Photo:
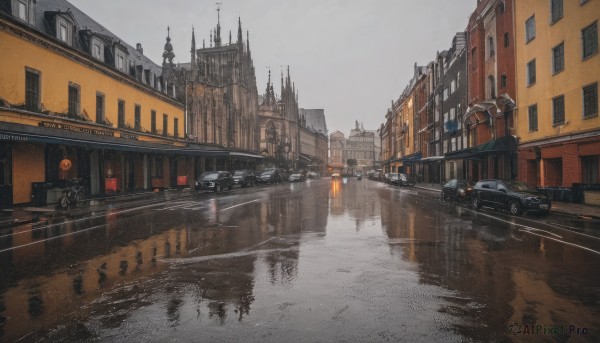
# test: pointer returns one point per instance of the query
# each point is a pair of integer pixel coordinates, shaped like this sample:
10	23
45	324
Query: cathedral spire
248	43
218	31
211	38
239	39
193	51
229	37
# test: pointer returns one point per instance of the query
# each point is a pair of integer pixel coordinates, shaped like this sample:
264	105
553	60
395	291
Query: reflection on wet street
323	260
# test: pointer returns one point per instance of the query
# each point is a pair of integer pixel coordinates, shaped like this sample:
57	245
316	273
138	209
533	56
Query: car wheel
514	208
476	203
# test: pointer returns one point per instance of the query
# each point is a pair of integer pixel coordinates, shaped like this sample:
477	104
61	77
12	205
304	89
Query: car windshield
210	176
268	172
519	186
238	173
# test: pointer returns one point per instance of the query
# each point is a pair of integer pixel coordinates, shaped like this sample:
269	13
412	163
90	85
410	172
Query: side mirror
503	190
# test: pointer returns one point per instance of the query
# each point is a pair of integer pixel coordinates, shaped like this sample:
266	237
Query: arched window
491	46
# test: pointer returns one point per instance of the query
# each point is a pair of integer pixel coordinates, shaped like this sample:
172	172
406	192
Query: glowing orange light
65	164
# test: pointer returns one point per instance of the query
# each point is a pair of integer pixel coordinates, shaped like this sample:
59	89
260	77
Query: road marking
53	238
245	203
561	241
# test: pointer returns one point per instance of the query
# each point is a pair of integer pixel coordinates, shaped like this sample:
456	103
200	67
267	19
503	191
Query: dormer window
24	10
97	49
62	33
121	60
64	29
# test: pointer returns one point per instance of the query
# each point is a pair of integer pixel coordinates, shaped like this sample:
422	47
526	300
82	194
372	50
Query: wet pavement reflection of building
356	255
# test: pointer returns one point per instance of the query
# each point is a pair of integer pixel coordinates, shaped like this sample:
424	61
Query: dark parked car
393	179
270	176
359	176
514	196
244	178
406	180
215	181
457	190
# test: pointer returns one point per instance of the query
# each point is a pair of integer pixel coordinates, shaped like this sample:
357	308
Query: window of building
530	29
32	89
474	58
558	58
63	33
501	7
491	46
491	87
445	93
590	169
590	40
121	114
556	10
503	81
138	118
506	40
74	100
590	100
100	108
120	62
558	110
533	118
531	72
176	127
165	124
452	86
22	10
153	121
97	50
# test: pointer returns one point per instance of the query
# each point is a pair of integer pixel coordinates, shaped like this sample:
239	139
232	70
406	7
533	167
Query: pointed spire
248	42
211	38
193	51
282	84
203	44
239	39
229	37
218	31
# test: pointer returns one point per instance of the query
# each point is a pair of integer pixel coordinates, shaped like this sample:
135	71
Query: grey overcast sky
350	57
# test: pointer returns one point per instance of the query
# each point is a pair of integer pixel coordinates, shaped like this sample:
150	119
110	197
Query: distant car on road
244	178
514	196
297	177
457	190
359	176
335	176
270	176
215	181
312	175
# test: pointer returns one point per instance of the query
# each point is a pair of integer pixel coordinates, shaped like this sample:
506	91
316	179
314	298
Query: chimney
139	48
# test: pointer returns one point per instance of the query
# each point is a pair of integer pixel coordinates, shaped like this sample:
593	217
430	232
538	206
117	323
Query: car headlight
461	191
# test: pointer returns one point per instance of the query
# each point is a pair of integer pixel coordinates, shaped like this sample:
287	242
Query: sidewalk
566	208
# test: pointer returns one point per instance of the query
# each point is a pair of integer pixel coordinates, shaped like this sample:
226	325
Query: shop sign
13	138
74	128
129	136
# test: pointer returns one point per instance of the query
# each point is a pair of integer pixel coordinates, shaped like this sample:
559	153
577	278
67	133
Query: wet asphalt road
325	261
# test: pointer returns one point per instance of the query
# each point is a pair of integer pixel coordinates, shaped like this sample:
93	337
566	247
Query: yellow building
558	70
78	102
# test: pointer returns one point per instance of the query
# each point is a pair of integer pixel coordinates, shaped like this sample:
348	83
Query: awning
26	133
432	158
413	157
245	154
506	143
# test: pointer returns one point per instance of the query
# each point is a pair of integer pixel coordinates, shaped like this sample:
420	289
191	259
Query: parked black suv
244	178
514	196
270	176
215	181
457	190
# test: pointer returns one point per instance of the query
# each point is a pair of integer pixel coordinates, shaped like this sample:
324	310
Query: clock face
65	164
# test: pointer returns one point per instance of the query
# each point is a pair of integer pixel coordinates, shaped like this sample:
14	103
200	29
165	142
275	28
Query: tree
351	162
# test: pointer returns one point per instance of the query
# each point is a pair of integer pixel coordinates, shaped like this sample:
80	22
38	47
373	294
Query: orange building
76	101
558	70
